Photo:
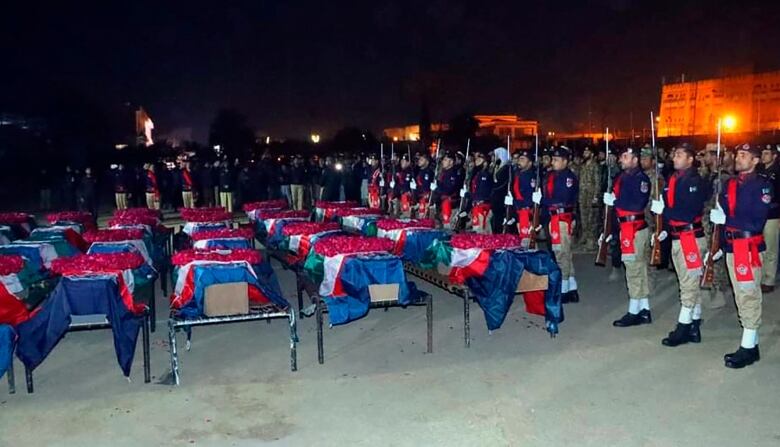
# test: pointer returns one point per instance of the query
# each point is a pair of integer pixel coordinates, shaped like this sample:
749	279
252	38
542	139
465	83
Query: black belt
696	226
632	218
564	210
731	235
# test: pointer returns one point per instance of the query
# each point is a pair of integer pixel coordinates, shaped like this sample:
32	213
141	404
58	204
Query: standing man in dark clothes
244	186
87	193
226	186
206	182
69	188
120	187
44	183
297	182
313	174
330	181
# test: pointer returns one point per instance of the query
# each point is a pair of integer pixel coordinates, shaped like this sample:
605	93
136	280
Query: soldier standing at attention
743	207
770	170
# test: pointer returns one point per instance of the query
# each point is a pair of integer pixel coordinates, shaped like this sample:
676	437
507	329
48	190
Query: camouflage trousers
591	224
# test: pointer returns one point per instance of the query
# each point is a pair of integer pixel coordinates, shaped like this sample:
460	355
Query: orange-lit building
748	103
498	125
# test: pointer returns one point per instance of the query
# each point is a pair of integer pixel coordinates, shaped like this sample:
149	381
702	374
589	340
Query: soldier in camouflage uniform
590	193
716	297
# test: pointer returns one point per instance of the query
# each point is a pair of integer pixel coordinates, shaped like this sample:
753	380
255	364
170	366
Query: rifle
601	256
536	216
466	181
436	172
508	208
655	255
708	274
382	197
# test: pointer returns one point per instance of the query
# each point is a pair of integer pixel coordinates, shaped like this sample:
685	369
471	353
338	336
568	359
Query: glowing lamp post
315	138
729	123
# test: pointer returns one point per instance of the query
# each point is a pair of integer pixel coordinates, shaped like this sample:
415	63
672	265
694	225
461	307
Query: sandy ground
592	385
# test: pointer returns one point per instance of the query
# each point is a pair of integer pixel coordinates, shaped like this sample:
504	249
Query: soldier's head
646	157
479	159
448	160
405	162
373	160
683	156
768	155
629	158
423	161
587	153
747	158
523	159
560	158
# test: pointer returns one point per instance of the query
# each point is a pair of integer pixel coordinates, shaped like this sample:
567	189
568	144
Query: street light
729	122
315	138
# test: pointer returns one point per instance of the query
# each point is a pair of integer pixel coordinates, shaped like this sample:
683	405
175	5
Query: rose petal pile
15	218
265	204
398	224
97	262
11	264
124	234
137	212
214	214
467	241
334	205
223	233
81	217
287	214
249	255
308	228
342	245
342	212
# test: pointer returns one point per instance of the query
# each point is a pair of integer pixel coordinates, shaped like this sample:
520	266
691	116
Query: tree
462	127
231	132
353	139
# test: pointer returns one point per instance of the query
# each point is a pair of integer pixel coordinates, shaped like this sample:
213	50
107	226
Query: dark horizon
299	67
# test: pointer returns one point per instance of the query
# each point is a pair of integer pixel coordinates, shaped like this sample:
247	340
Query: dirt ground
592	385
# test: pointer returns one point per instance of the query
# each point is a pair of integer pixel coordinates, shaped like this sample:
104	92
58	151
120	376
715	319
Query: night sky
299	66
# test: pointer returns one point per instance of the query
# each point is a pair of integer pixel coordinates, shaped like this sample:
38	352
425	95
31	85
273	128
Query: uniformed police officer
375	183
769	168
421	185
744	207
523	187
401	189
479	190
558	196
682	206
629	196
445	190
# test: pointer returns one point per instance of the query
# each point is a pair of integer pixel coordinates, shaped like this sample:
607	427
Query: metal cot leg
29	378
153	308
293	341
466	318
299	287
145	341
320	348
429	318
11	378
174	353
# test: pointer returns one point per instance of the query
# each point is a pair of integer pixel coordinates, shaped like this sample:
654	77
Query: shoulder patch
644	187
569	182
766	198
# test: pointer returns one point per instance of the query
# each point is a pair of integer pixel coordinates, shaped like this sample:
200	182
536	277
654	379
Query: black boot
679	336
695	334
742	358
570	297
629	319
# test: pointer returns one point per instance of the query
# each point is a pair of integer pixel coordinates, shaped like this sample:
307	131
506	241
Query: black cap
629	150
561	151
687	148
755	150
449	154
527	153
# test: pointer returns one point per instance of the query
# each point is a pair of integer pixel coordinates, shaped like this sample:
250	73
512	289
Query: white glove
392	183
433	186
536	197
718	255
413	185
717	216
601	238
511	221
463	192
508	200
657	206
381	183
609	199
463	214
661	237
